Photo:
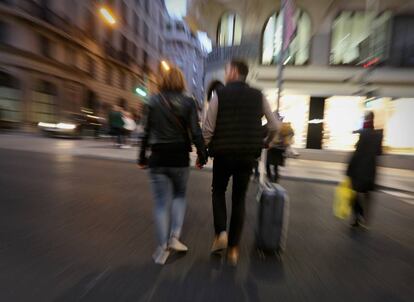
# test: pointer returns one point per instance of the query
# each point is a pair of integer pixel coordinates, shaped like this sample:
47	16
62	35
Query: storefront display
343	115
293	109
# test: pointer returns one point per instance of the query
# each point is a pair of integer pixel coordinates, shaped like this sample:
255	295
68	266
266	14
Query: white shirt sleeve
273	124
209	125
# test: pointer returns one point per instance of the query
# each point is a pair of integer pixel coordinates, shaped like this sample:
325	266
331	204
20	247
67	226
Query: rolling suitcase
272	219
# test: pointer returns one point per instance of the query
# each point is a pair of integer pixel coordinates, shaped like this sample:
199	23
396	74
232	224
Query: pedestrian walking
129	127
116	124
172	125
233	132
276	154
362	168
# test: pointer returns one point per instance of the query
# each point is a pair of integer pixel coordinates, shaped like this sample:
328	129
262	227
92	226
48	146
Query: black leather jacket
172	118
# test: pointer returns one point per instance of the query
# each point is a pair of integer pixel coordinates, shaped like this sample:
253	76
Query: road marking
94	282
404	197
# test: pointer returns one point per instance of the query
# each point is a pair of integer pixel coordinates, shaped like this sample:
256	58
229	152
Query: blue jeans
169	222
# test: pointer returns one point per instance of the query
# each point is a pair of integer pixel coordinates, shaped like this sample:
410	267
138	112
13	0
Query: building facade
347	56
61	56
183	49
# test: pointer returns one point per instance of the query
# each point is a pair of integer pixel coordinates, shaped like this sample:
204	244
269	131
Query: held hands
143	164
199	164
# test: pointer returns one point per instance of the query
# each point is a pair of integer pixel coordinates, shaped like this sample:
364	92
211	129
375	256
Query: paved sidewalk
79	229
298	169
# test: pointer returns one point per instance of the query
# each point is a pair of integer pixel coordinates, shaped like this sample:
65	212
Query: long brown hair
172	80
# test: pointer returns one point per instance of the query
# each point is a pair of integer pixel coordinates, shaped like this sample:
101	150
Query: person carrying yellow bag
343	199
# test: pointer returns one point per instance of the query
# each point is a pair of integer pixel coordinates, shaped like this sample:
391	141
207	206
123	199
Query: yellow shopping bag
344	196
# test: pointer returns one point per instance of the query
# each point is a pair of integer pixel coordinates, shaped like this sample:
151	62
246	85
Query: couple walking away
232	135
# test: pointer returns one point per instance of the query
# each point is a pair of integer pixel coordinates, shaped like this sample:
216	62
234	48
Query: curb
283	177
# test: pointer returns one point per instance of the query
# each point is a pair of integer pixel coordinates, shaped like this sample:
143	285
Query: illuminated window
295	110
229	30
298	51
359	37
343	115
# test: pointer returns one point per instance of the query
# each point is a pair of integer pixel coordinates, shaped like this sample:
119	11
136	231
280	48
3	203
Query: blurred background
76	214
84	56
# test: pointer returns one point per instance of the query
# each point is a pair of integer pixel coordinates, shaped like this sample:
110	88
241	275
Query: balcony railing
221	55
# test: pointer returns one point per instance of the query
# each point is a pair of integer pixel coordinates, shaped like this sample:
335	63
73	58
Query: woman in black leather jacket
171	128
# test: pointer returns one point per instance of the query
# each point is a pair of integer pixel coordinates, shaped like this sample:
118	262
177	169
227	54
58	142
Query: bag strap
177	120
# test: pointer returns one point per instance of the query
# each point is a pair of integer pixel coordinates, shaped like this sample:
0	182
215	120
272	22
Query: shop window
342	116
360	37
294	109
298	51
229	30
398	130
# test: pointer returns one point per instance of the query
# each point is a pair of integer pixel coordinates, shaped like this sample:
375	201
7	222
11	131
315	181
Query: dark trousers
119	134
361	205
275	158
240	170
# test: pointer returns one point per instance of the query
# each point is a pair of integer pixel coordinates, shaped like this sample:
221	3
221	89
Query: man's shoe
220	243
161	255
176	245
233	256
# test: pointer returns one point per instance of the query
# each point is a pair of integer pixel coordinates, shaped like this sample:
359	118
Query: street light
141	92
107	15
165	65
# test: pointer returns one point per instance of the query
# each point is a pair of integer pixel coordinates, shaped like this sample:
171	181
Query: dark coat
362	168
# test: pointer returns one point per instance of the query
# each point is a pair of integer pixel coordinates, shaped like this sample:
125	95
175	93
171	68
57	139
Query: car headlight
46	125
65	126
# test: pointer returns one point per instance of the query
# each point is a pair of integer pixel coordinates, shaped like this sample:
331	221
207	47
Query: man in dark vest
233	132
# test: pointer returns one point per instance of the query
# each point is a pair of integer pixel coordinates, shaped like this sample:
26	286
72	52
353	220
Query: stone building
183	49
61	56
347	56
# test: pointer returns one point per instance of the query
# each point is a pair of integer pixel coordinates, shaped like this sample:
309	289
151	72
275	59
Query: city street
80	229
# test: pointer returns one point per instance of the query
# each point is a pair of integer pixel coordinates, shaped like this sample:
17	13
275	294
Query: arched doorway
10	100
